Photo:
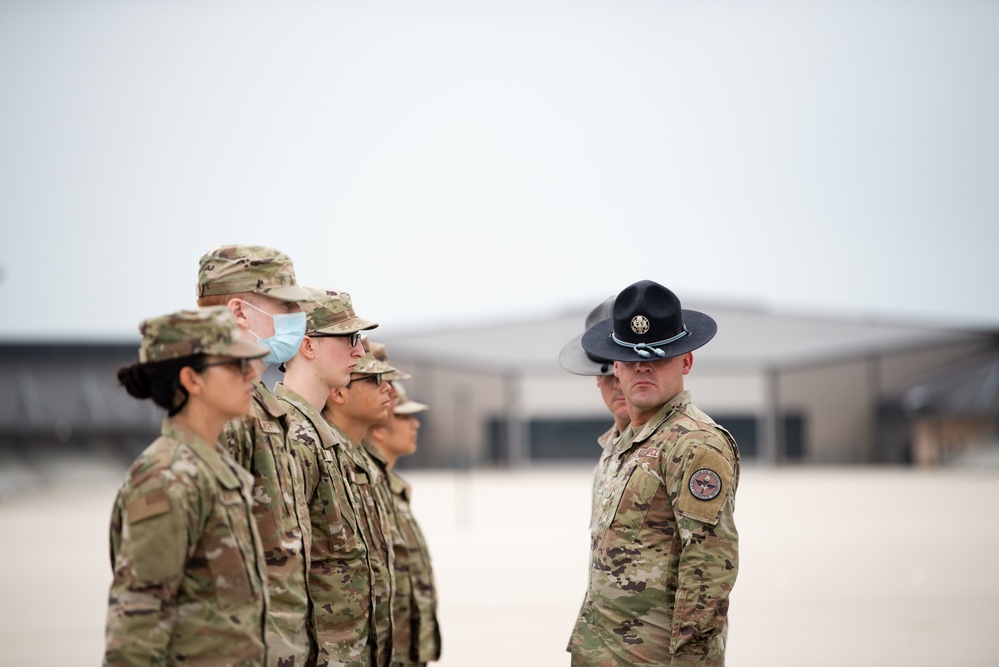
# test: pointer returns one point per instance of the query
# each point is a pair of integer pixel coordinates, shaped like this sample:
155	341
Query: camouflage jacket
365	483
416	610
340	575
606	442
188	566
259	443
665	546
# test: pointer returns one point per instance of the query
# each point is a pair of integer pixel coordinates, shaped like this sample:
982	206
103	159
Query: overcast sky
454	162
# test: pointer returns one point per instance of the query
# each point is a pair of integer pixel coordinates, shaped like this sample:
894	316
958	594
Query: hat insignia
640	324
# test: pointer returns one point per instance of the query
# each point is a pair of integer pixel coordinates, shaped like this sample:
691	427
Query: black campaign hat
648	324
575	359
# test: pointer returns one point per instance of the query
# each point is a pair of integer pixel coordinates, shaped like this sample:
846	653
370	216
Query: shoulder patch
705	485
147	506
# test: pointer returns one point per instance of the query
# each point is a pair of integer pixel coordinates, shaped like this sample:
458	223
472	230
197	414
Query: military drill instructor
664	546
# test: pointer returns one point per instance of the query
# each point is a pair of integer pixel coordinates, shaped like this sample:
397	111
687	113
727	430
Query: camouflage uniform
606	442
259	443
665	551
340	576
417	637
188	565
365	484
416	595
371	495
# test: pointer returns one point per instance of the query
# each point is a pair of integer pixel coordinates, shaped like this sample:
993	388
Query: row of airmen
267	526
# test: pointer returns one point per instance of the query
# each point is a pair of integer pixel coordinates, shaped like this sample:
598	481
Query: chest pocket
637	495
228	543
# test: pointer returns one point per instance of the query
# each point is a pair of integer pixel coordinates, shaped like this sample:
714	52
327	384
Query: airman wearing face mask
258	286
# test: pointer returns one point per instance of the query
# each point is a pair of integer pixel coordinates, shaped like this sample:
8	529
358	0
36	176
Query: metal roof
747	340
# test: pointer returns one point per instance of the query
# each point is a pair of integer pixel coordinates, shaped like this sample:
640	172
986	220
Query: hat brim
597	339
574	359
244	349
290	293
349	325
410	408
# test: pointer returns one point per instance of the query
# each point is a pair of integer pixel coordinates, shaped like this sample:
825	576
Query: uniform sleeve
702	476
158	521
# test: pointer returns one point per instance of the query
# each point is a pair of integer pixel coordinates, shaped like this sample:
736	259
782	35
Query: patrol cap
368	365
190	332
331	312
381	354
575	359
233	269
404	406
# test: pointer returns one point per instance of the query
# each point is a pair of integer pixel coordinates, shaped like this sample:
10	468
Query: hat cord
643	349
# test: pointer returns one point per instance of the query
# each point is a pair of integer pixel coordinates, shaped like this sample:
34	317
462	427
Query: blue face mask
289	330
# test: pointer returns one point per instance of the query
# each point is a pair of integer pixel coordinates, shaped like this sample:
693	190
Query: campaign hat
648	324
575	359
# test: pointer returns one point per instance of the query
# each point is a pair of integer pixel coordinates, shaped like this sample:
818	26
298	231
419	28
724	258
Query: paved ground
857	567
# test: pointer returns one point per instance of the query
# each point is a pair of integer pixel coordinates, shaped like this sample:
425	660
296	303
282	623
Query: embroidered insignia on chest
271	427
640	324
647	452
705	484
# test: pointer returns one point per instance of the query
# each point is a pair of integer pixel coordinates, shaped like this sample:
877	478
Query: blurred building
791	388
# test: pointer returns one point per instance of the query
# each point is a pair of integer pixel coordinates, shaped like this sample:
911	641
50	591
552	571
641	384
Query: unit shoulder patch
147	506
705	485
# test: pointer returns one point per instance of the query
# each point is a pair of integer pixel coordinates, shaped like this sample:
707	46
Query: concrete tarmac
839	566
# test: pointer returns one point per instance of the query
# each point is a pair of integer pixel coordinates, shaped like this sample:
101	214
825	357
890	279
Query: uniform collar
209	454
676	404
309	412
267	400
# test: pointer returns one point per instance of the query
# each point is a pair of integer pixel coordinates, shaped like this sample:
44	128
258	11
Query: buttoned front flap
335	506
227	544
636	492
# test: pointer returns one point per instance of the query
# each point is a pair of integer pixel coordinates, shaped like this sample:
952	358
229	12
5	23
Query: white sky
450	162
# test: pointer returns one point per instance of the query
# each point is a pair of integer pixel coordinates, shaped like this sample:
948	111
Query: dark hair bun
135	381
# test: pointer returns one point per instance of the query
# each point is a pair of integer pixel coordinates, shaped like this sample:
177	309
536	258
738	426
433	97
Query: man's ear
337	396
307	348
688	362
236	308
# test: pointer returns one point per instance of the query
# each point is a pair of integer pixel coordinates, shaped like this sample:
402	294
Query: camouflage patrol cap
381	354
368	365
189	332
233	269
404	406
331	312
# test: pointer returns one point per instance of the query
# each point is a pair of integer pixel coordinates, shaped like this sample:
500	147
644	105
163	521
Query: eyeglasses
374	377
354	337
242	363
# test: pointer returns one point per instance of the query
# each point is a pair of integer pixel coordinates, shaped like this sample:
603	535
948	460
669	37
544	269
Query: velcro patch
271	427
705	485
150	505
